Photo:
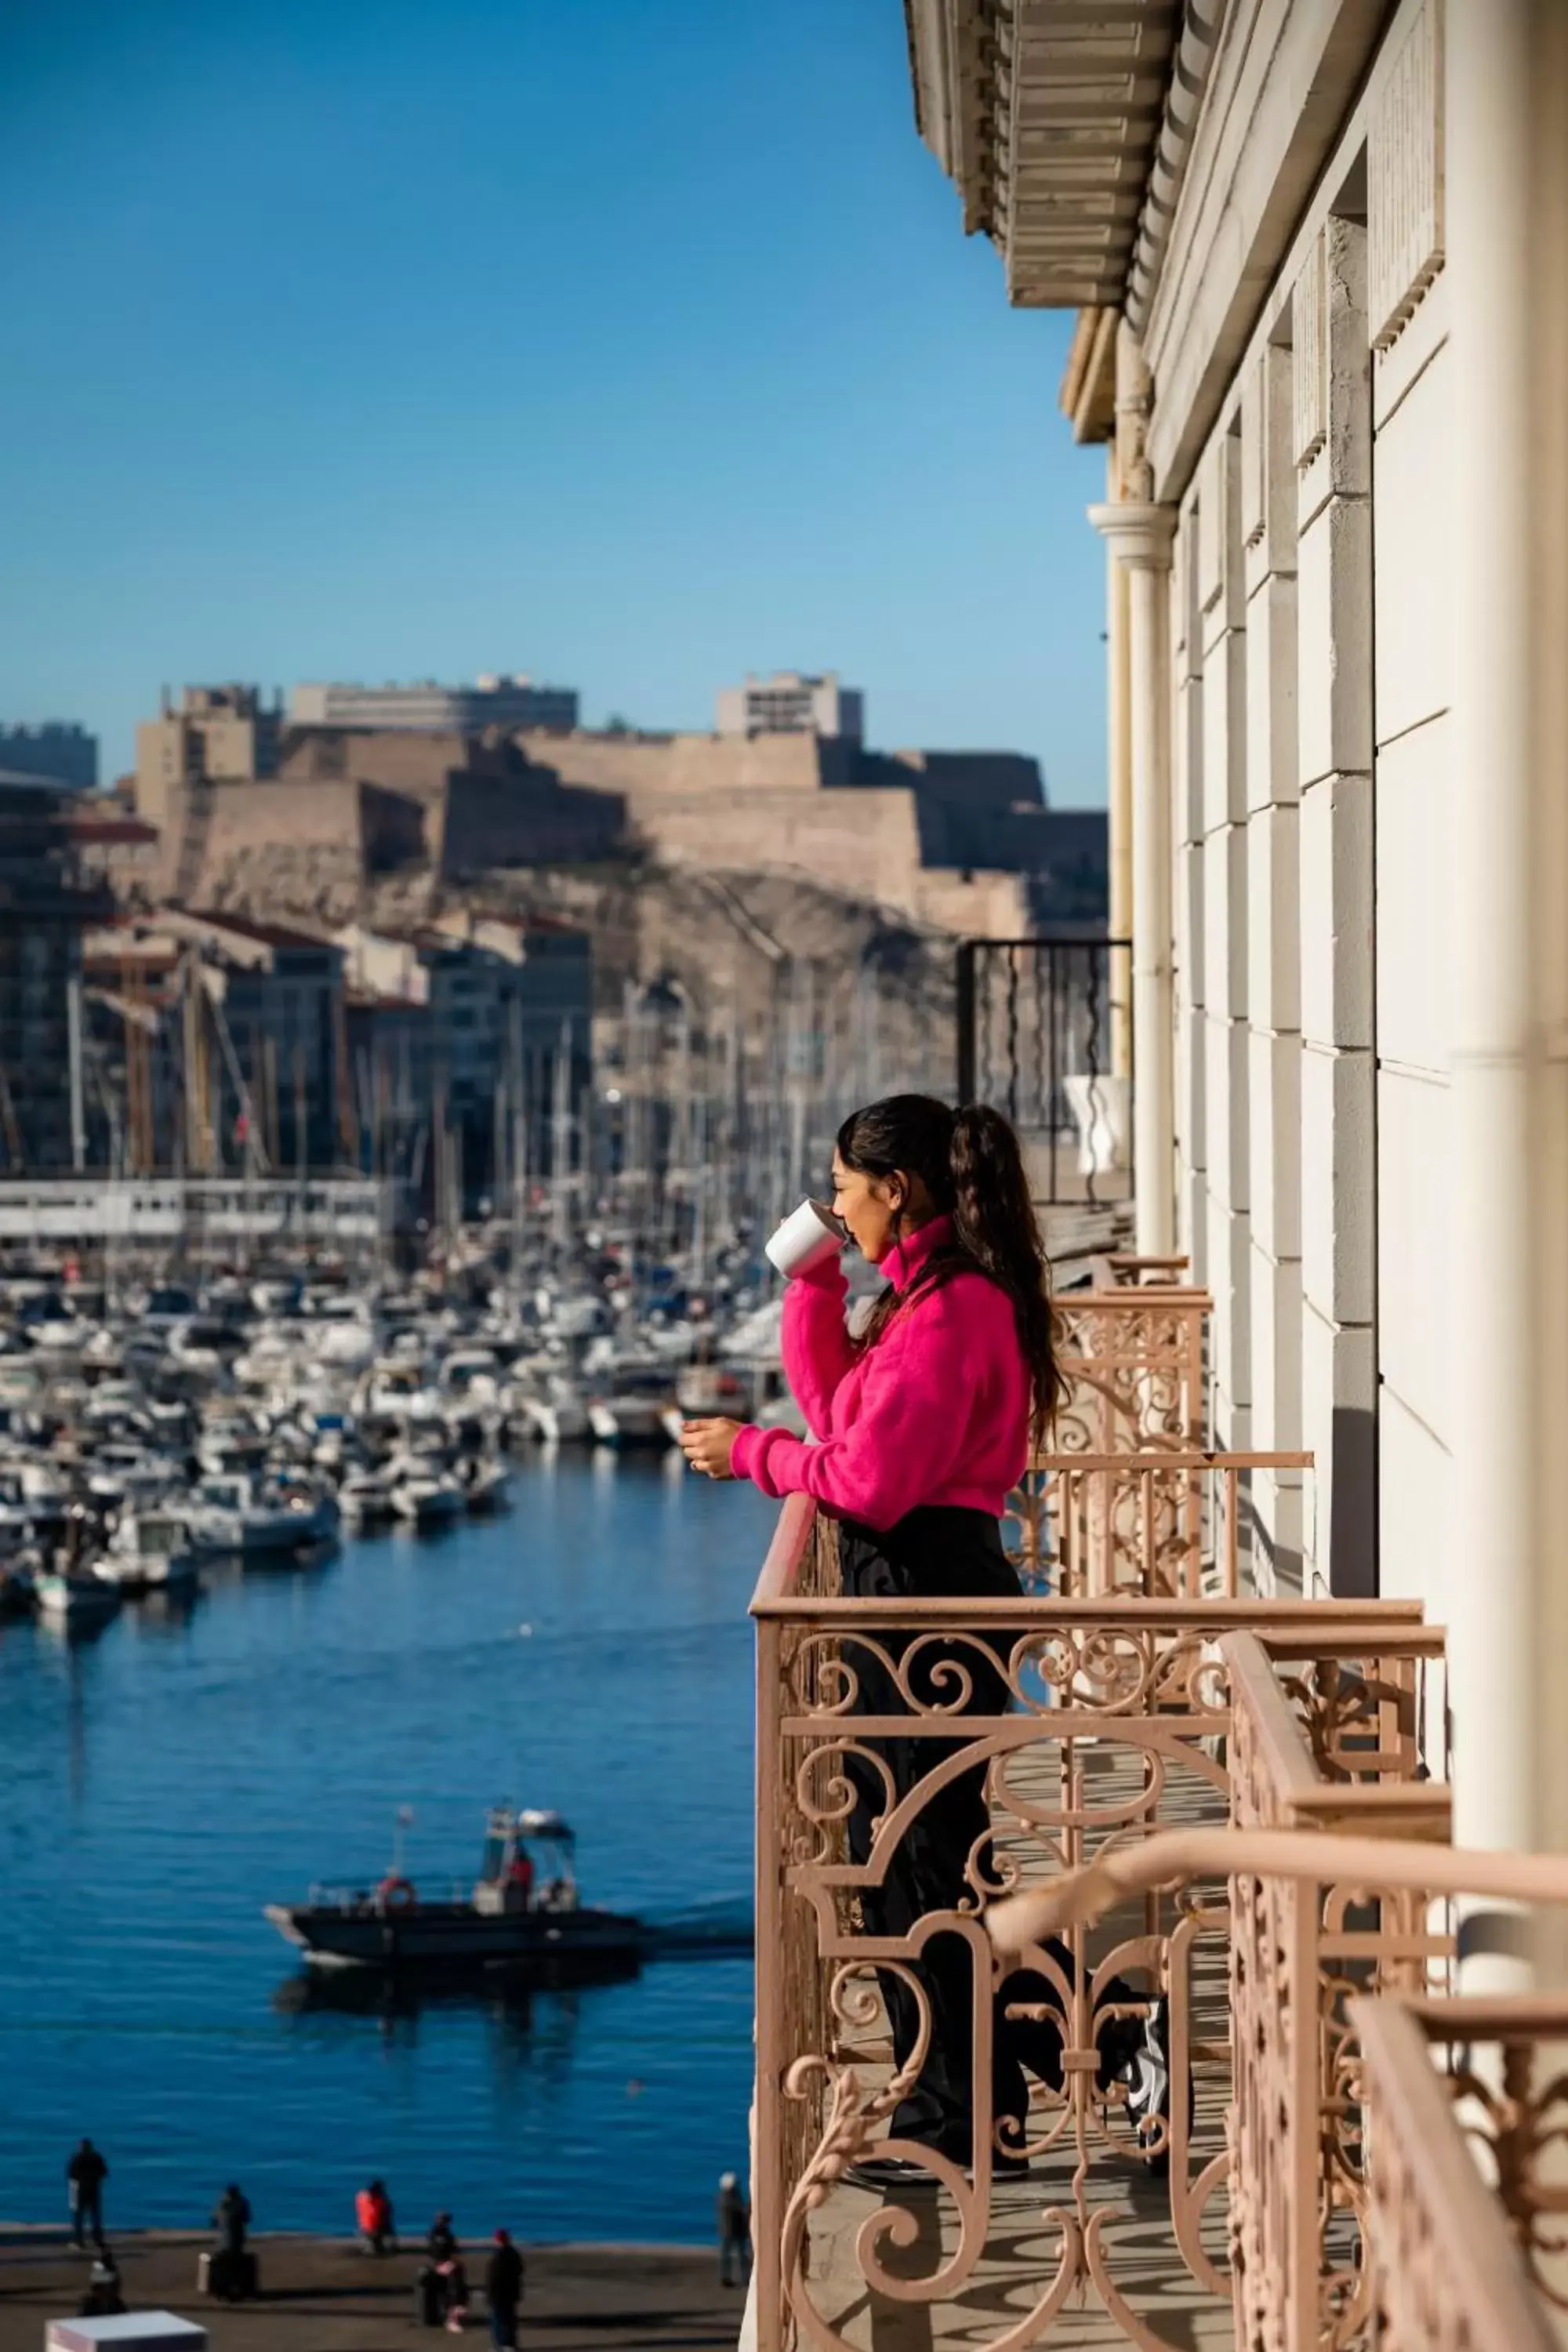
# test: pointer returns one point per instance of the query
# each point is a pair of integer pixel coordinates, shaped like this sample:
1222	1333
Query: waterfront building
61	751
121	848
503	702
1337	1094
476	1034
788	703
275	1076
1319	253
46	904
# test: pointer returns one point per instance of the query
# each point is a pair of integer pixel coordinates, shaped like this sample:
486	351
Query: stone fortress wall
955	840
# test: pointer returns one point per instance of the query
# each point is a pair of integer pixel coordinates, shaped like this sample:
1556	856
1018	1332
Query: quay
322	2294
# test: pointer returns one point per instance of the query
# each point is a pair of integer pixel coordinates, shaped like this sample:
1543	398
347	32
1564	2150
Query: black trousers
939	1553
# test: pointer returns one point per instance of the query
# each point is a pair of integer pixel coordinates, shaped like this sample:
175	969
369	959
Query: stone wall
1313	815
647	767
527	820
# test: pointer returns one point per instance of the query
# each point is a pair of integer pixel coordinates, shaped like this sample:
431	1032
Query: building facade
790	704
216	734
474	1038
62	752
504	702
1320	277
45	906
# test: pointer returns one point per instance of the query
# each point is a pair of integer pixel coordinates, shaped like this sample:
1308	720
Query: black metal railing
1045	1035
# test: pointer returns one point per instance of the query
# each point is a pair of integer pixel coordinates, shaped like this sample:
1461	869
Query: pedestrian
373	2218
503	2290
86	2174
104	2299
734	2232
441	2243
456	2278
925	1424
231	2220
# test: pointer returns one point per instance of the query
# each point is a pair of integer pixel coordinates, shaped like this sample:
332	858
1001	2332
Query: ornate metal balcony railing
1131	1361
1130	1271
1460	2103
1166	1522
1321	1746
1464	2105
919	1761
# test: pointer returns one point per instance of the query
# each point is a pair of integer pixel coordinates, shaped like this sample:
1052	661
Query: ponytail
995	1223
973	1169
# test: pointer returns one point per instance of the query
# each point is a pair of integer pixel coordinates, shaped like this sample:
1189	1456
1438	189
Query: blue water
591	1653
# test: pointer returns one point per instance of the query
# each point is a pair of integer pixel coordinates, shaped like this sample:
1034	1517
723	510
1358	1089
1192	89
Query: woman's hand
708	1446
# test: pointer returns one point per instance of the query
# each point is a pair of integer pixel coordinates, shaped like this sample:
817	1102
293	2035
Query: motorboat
632	1412
424	1494
231	1513
130	1475
76	1596
149	1551
486	1485
367	1498
559	1416
704	1392
522	1916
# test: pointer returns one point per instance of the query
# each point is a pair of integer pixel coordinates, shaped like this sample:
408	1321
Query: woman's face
870	1206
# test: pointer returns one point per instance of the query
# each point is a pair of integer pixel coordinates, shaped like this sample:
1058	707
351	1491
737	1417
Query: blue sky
632	343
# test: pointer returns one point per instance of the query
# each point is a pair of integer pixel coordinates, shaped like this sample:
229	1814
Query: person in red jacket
919	1430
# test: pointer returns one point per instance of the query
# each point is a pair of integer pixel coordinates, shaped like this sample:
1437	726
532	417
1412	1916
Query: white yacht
367	1498
426	1495
559	1414
230	1513
149	1551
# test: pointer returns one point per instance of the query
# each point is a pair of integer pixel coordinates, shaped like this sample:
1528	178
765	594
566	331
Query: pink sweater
937	1412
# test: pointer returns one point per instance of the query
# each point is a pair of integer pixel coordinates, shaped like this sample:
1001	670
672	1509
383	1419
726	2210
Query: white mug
808	1237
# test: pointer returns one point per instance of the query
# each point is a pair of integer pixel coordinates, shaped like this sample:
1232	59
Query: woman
923	1427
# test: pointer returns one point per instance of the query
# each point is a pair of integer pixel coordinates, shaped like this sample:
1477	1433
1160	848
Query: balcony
1002	1844
1079	1725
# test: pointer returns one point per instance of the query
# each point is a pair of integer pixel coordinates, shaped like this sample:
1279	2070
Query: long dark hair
971	1166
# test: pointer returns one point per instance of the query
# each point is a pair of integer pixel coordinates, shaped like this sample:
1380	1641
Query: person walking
231	2220
85	2175
924	1426
734	2232
503	2289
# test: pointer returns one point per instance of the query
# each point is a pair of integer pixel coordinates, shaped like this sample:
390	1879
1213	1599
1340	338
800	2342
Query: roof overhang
1047	114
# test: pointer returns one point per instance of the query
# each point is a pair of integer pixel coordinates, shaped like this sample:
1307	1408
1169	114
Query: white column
1507	194
1139	534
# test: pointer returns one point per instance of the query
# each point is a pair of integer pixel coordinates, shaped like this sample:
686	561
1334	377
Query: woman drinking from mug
924	1426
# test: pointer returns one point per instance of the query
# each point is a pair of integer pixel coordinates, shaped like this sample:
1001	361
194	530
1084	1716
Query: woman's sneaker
1141	2061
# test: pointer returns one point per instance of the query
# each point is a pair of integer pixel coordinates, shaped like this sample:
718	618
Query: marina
187	1758
151	1425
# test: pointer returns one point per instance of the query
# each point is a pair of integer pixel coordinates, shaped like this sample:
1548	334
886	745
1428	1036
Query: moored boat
236	1515
76	1596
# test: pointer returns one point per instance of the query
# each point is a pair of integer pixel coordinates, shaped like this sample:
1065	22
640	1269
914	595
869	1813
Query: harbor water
591	1653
